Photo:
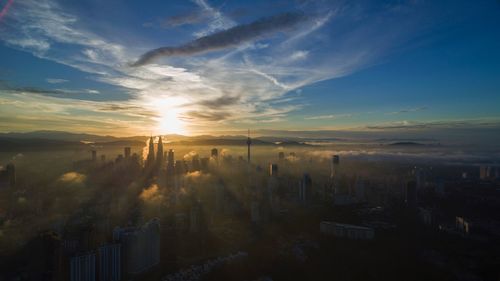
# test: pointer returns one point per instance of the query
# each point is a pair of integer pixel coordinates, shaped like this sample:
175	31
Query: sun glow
168	120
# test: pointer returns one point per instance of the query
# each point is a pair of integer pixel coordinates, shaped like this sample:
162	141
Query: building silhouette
8	176
273	170
82	267
214	153
126	152
159	153
305	188
334	166
281	156
411	194
109	262
151	153
140	246
170	162
195	163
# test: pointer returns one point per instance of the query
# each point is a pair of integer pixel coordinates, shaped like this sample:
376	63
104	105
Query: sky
209	66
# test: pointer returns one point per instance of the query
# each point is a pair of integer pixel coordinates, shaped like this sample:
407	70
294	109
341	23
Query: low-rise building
349	231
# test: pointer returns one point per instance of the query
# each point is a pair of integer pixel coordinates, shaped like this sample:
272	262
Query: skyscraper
82	268
195	163
411	194
334	166
214	153
10	171
151	152
170	162
305	188
94	155
272	185
249	142
159	153
109	262
273	170
127	152
359	187
281	156
140	246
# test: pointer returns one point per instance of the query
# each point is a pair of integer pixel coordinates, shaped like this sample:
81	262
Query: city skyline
409	69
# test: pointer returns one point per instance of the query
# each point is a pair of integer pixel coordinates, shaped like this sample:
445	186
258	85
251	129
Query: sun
168	119
169	123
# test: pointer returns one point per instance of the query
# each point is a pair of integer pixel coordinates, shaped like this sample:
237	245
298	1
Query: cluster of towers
152	160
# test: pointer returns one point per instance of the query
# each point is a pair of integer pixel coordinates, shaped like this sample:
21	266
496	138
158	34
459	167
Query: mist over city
249	140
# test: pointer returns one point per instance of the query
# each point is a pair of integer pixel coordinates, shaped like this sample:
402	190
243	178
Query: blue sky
206	66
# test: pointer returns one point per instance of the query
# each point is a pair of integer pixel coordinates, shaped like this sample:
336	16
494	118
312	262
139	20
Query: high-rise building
411	194
94	155
8	176
126	152
273	170
485	172
335	166
82	267
170	162
359	189
214	153
45	259
159	153
281	156
151	153
419	178
336	159
109	262
272	186
140	246
195	163
305	188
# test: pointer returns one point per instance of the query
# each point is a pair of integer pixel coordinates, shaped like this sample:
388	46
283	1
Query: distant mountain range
57	139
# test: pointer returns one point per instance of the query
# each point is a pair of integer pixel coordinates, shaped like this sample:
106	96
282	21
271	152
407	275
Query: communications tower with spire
249	142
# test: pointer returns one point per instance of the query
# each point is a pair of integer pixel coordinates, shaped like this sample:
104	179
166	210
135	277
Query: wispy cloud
59	92
218	20
56	80
408	110
192	17
441	124
330	116
44	111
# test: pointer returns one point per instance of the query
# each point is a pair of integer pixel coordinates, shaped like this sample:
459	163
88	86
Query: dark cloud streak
227	38
220	102
185	19
206	116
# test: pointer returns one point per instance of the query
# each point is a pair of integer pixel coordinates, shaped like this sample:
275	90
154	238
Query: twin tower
151	160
